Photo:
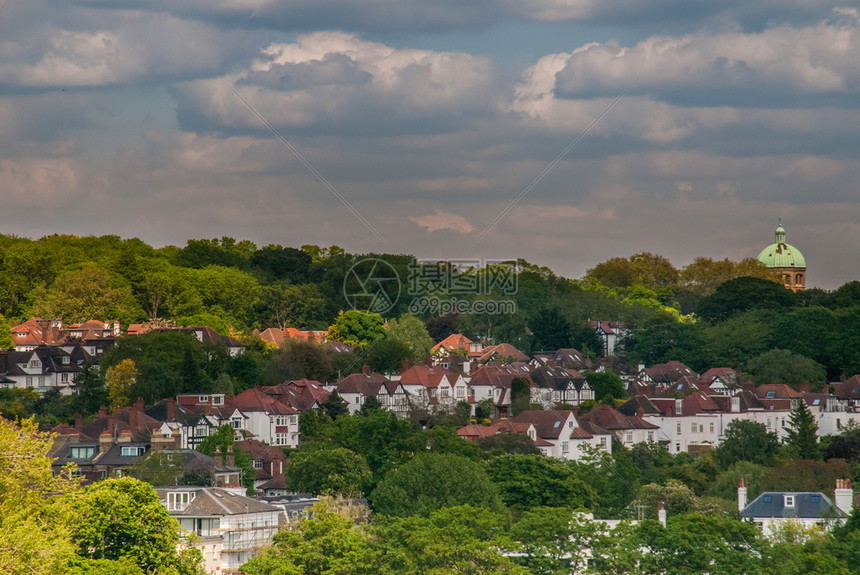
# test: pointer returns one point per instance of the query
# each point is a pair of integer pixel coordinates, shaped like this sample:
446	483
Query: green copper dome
781	254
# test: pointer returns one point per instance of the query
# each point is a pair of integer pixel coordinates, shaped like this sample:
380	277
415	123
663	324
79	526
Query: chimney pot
231	460
79	422
365	369
171	409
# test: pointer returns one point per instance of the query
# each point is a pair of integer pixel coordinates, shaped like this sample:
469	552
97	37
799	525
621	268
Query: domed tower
786	260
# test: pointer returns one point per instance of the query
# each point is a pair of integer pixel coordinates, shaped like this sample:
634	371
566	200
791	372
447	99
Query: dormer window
789	500
179	500
131	451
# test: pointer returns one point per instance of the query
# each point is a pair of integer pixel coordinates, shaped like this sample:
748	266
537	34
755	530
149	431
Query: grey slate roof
214	501
809	505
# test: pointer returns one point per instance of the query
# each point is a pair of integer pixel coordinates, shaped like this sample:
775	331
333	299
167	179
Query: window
29	381
236	423
131	451
65	360
204	399
570	424
281	420
694	427
650	436
678	428
179	500
603	442
294	419
771	394
768	498
711	427
789	500
445	392
461	392
81	452
217	399
35	363
678	447
679	407
629	437
258	464
564	446
281	439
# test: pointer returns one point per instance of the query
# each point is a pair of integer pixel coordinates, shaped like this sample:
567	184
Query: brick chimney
365	369
105	441
428	360
219	458
661	513
804	388
111	424
102	412
159	443
132	416
125	436
139	405
404	365
79	423
171	409
640	413
742	495
230	459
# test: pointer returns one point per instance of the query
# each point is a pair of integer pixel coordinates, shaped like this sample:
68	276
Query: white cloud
440	220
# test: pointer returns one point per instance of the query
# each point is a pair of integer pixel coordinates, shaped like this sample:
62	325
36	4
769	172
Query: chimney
171	409
844	495
661	514
640	413
102	412
105	441
365	369
428	361
111	424
404	365
157	443
641	366
116	331
749	386
219	459
804	388
132	416
139	405
742	495
704	387
79	423
231	460
125	436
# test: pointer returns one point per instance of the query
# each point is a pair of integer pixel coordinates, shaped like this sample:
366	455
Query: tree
746	440
357	328
781	366
122	518
80	295
802	434
607	385
411	331
508	443
742	294
529	481
297	359
323	469
222	439
429	482
5	334
387	355
335	406
119	380
644	268
90	390
557	540
520	395
704	275
441	326
551	329
33	518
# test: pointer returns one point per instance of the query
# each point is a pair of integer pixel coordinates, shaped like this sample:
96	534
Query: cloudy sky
681	127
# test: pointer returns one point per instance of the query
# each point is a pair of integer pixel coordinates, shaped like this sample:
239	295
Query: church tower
786	260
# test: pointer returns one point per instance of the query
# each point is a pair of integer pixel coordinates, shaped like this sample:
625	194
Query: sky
563	132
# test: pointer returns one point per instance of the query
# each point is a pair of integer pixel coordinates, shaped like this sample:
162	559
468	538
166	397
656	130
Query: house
302	395
495	381
276	337
611	334
434	387
269	461
628	429
43	368
722	381
666	373
558	385
503	353
266	418
455	343
778	397
95	335
473	433
848	391
560	435
773	508
356	388
229	528
197	416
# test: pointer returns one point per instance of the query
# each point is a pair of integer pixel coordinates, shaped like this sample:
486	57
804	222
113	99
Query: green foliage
5	334
411	331
520	395
223	439
802	434
742	294
357	328
607	385
429	482
746	441
529	481
781	366
323	469
335	406
508	443
387	355
805	475
122	518
551	329
297	359
557	540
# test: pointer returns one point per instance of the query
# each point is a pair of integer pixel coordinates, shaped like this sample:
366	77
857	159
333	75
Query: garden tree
411	331
222	439
676	497
335	406
224	384
157	469
697	543
459	539
613	478
356	328
806	475
119	380
322	469
520	395
607	385
810	332
379	435
781	366
280	263
654	342
845	445
742	294
652	460
848	321
441	326
557	540
585	339
87	293
644	268
746	440
551	329
725	484
122	518
297	359
224	252
33	517
508	443
225	292
444	439
17	403
802	435
5	334
90	391
370	405
528	481
330	542
387	355
428	482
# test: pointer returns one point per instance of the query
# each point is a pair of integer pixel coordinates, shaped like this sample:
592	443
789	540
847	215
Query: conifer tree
802	438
